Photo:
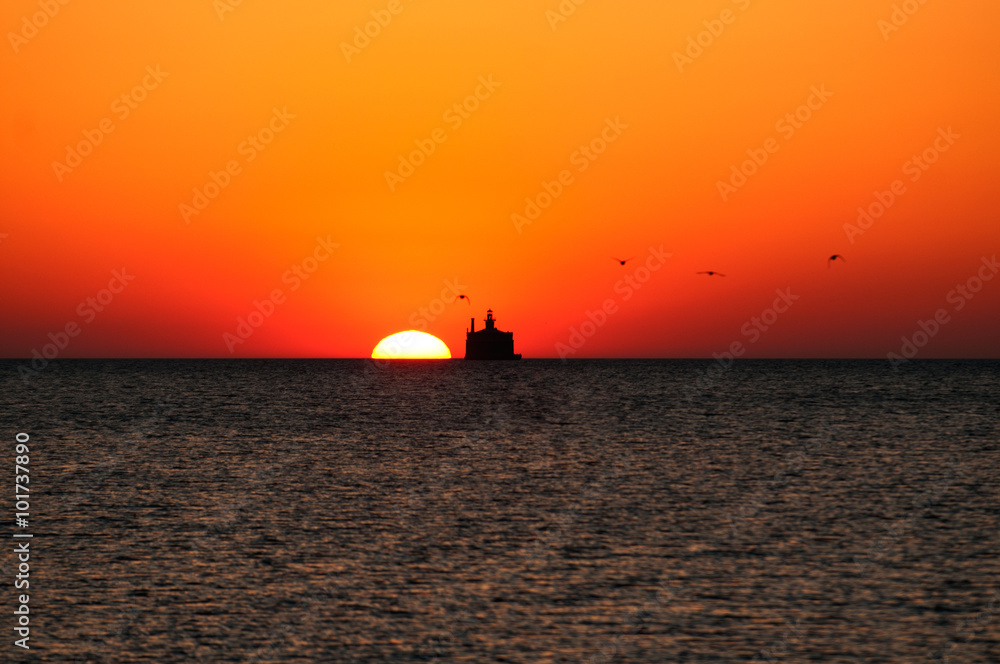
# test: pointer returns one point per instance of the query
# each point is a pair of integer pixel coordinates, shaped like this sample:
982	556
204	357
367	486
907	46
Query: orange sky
330	121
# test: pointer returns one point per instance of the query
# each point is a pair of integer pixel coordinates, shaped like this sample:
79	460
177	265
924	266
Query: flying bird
833	258
712	274
624	261
466	298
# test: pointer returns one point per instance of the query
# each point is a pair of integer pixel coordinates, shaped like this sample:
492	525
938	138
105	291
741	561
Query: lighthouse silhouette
489	343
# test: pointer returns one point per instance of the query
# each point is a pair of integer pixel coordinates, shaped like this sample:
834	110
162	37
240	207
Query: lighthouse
489	343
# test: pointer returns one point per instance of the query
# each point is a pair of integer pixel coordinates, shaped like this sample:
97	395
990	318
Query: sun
411	345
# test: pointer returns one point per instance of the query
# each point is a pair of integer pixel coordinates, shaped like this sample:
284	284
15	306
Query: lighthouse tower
489	343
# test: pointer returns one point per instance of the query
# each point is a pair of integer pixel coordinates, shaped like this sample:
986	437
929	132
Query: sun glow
411	345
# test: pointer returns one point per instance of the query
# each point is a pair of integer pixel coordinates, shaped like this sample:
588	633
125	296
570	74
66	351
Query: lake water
533	511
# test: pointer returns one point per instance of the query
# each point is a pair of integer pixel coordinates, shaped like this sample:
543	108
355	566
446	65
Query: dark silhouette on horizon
489	343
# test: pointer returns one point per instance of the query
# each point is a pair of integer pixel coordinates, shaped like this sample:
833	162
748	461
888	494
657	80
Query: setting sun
411	345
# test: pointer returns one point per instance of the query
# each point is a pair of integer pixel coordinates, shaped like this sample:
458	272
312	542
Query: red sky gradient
684	119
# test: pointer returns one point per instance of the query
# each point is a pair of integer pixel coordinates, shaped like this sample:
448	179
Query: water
534	511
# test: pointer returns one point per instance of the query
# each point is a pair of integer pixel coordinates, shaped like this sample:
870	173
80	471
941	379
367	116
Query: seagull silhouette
833	258
712	274
624	261
466	298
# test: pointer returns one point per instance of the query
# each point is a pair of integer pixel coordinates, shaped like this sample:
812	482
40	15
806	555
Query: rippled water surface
534	511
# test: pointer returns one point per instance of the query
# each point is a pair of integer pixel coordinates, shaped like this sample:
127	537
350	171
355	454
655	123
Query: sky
304	178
